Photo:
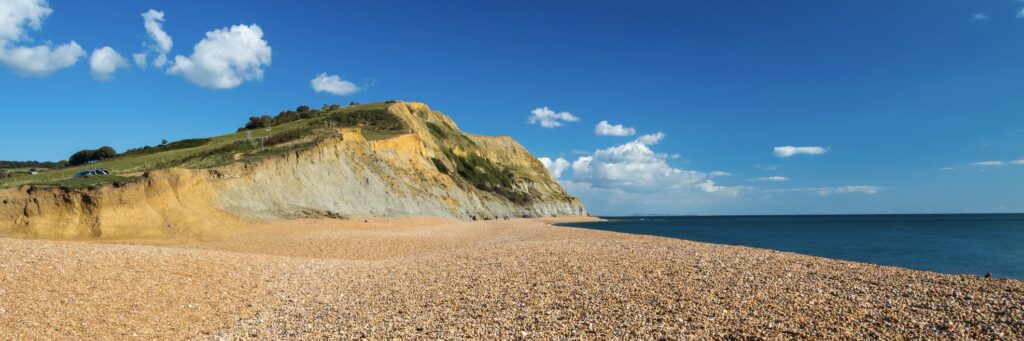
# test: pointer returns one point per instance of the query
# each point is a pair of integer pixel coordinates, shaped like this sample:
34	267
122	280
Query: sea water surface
947	243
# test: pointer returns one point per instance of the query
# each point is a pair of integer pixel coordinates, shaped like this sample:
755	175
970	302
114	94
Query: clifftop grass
374	120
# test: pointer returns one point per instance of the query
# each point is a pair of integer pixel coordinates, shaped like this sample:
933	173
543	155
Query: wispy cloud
1017	162
825	191
716	174
787	151
548	118
651	139
979	17
770	179
161	43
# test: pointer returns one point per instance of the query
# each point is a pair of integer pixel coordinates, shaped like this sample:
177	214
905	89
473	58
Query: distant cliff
430	168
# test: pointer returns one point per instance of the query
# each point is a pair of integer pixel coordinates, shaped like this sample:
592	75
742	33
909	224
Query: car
87	173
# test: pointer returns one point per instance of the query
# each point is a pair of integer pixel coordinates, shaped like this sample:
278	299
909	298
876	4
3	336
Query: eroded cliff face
165	204
434	170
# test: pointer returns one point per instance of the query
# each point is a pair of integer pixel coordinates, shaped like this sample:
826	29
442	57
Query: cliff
431	168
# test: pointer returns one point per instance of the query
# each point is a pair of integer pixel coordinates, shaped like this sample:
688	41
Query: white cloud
787	151
675	156
634	167
226	58
717	174
162	43
604	128
548	118
651	139
556	166
39	61
858	189
332	84
16	18
104	62
770	179
139	59
1018	162
825	191
1020	14
770	168
980	16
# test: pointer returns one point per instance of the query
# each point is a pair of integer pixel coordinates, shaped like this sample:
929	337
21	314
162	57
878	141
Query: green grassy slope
373	118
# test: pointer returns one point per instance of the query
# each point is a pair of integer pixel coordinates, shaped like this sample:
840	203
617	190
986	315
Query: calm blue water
953	243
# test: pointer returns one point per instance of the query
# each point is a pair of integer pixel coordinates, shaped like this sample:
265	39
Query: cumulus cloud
16	18
226	58
770	179
604	128
556	166
650	139
634	167
548	118
1018	162
104	62
787	151
161	44
332	84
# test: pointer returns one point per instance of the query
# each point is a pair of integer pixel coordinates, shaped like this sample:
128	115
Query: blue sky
912	106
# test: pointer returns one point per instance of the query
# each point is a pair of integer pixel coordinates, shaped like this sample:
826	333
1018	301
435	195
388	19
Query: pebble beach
432	278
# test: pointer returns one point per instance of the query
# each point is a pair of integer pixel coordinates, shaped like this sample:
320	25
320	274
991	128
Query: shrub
439	165
259	122
379	119
105	152
487	176
89	155
82	157
286	137
302	108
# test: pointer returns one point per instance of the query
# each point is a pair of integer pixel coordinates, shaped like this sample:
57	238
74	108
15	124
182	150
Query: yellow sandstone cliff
411	174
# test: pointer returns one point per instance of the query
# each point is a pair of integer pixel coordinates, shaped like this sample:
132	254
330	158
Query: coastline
439	278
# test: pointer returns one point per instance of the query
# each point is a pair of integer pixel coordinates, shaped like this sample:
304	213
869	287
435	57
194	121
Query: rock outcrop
434	169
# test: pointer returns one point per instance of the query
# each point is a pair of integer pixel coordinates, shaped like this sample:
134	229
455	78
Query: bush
379	120
105	152
264	121
487	176
439	165
36	164
82	157
88	155
302	108
286	137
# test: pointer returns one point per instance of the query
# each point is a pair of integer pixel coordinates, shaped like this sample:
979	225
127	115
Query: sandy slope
433	278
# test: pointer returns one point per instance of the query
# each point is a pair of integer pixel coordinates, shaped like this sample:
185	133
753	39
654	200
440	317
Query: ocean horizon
971	243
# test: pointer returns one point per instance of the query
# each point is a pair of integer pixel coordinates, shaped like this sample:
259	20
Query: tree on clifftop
86	156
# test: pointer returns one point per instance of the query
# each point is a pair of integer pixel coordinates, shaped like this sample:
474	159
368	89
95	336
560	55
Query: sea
948	243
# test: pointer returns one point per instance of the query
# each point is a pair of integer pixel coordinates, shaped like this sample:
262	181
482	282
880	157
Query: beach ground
431	278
